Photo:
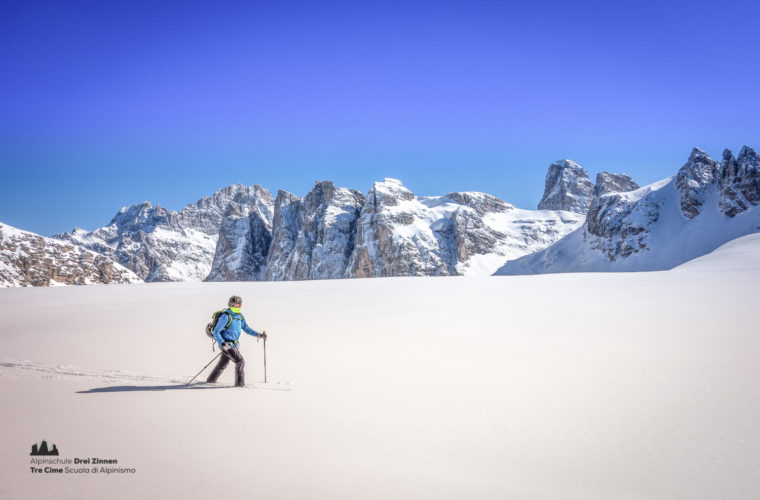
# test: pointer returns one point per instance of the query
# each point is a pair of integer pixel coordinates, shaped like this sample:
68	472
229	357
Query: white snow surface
741	254
580	386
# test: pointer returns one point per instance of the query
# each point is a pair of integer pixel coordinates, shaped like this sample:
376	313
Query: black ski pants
231	354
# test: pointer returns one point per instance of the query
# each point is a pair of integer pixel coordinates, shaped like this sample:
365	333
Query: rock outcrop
694	180
313	237
242	247
567	187
613	183
618	225
28	259
394	237
739	181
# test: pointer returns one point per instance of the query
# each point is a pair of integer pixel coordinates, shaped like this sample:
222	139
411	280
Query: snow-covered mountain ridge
242	233
568	187
28	259
464	233
166	245
660	226
341	233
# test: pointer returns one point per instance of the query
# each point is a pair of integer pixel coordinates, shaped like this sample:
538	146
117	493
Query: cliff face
739	181
313	237
694	180
567	187
735	180
244	235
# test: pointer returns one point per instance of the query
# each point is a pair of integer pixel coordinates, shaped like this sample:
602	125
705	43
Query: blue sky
110	103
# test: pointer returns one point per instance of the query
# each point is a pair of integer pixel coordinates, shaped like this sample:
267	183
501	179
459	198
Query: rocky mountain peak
207	213
284	198
698	153
613	183
234	193
166	245
388	193
739	181
312	237
241	233
747	156
135	207
635	231
693	180
137	216
567	187
321	194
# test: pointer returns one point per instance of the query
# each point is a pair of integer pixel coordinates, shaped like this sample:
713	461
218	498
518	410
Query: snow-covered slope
28	259
741	254
661	225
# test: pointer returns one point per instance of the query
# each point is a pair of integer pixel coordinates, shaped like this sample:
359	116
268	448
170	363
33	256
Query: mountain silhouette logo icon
43	449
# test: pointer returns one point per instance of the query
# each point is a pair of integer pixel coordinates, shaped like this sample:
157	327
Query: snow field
638	385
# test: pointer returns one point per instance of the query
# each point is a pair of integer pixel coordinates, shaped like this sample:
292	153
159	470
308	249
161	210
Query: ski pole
265	359
196	375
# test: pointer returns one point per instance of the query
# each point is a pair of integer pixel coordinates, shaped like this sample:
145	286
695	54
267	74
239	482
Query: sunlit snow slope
588	386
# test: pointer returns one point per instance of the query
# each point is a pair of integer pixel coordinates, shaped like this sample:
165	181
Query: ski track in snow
73	371
15	367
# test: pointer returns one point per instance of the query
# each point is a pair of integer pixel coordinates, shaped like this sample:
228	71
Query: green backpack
214	320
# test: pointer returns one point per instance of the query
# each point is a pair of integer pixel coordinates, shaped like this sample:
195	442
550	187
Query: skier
227	339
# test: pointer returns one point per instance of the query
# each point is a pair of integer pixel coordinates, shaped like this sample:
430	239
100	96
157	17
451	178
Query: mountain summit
241	233
662	225
567	187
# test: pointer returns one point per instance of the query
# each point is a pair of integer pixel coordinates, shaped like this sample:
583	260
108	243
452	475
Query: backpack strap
229	318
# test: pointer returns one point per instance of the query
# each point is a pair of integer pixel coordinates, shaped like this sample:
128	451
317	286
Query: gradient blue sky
105	104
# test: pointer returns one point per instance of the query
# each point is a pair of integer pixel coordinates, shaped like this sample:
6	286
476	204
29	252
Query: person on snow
227	339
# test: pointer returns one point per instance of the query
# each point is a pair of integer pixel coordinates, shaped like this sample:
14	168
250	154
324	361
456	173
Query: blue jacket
231	333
